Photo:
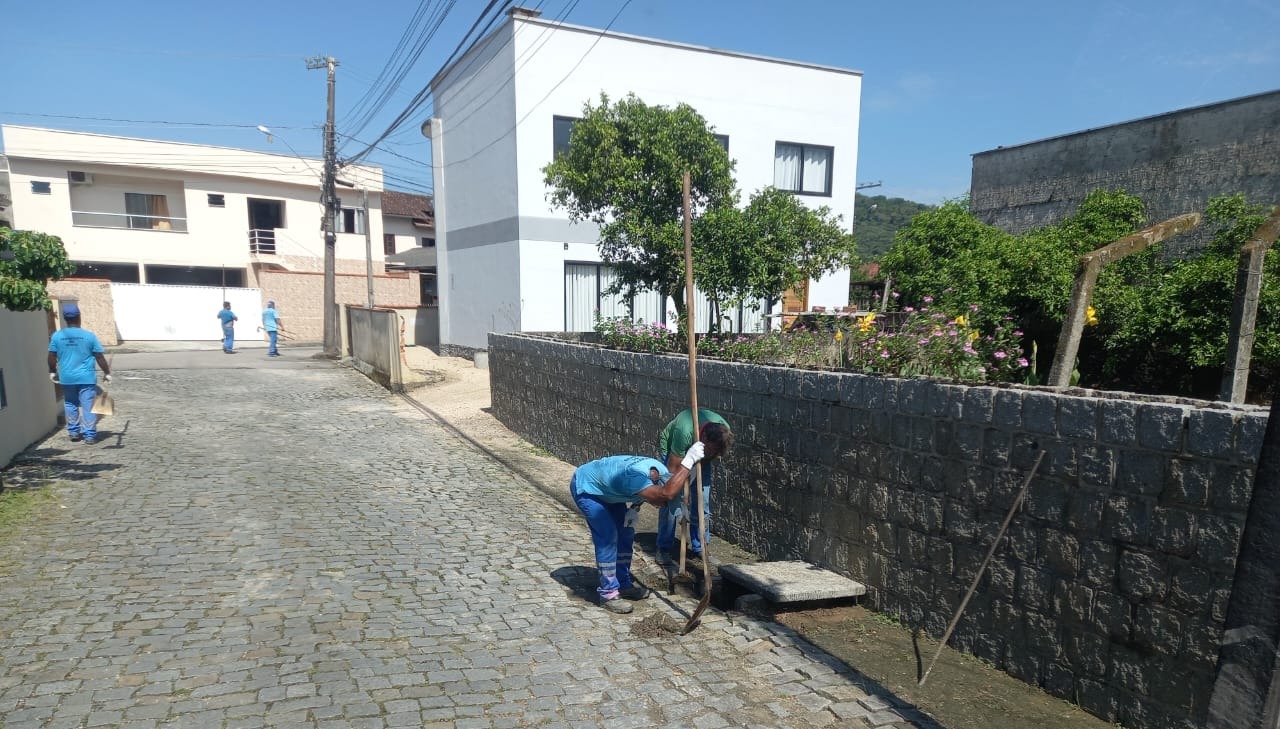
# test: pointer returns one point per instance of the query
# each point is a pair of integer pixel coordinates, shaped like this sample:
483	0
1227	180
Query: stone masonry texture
98	313
280	543
1112	582
1175	162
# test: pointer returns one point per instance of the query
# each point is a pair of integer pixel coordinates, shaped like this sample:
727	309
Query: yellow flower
839	335
973	335
866	323
961	321
1091	316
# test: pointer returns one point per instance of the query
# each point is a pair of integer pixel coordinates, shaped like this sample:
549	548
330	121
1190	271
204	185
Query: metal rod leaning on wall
1091	264
991	551
1244	309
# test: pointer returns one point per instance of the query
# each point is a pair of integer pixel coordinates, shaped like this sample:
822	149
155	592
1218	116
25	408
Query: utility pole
368	245
329	200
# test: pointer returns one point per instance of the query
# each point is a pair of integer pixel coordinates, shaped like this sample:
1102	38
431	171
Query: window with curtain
388	244
802	168
585	286
147	212
351	220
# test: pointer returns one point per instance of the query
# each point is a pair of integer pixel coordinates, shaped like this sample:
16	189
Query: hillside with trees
877	218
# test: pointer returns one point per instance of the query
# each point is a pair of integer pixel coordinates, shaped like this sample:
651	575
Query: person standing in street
228	319
609	492
273	326
672	444
72	354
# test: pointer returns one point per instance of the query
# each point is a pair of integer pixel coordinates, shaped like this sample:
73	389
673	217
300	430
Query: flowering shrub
623	333
918	342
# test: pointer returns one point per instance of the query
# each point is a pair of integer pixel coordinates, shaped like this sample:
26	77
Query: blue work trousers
77	400
272	334
612	540
228	338
699	514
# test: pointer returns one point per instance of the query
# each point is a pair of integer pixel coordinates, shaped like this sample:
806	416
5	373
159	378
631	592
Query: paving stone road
287	545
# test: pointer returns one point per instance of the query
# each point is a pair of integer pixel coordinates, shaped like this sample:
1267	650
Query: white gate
148	312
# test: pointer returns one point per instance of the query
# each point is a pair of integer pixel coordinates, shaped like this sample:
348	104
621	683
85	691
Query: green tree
773	244
877	219
37	258
623	171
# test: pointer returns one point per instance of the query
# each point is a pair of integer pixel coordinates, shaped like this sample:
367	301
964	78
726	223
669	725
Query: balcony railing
127	221
262	241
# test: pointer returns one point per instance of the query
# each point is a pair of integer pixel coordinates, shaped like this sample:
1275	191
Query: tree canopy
878	218
37	258
623	171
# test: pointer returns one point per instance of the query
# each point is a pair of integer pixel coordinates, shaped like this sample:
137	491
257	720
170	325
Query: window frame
423	241
358	221
388	244
217	200
831	167
41	187
555	119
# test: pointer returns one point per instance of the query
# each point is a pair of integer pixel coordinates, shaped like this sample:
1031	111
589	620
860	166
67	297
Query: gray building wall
1113	582
1175	162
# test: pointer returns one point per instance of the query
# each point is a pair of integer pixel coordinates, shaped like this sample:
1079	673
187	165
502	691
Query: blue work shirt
75	348
270	320
226	316
617	479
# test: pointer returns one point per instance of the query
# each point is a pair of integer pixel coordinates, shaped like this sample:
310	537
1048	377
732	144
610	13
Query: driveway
261	542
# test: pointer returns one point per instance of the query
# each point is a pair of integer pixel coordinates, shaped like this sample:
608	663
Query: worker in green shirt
675	440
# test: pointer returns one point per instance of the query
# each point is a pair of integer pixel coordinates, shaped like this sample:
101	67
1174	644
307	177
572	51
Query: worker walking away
273	326
609	492
674	442
72	354
228	320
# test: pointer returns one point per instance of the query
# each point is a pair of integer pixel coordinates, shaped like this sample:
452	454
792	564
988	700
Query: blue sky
942	80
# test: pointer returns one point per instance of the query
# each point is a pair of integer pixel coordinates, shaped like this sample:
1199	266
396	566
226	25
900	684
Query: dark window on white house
803	168
217	201
41	187
561	129
723	139
351	220
428	242
388	243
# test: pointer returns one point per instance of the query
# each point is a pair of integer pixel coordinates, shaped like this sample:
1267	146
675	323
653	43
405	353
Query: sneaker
635	592
90	441
617	605
76	438
664	557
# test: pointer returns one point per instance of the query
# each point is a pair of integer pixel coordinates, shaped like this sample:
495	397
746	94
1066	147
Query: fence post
1244	309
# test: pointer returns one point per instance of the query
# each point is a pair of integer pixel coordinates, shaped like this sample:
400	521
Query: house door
264	217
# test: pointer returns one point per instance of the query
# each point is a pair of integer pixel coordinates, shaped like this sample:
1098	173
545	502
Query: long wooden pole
693	397
955	619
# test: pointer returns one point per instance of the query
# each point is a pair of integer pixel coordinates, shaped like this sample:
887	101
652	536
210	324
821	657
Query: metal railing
262	241
127	221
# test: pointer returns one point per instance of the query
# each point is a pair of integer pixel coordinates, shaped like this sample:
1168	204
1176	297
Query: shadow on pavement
45	465
579	580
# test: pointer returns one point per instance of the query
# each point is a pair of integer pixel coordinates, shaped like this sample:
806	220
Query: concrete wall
31	406
97	308
502	248
373	336
1175	162
299	297
1111	587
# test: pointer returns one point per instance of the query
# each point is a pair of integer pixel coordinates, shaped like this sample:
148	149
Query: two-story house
507	261
173	229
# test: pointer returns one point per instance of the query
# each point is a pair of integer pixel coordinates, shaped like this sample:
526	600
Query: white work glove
53	376
693	455
106	379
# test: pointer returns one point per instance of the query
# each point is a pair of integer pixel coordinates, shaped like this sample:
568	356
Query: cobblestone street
285	544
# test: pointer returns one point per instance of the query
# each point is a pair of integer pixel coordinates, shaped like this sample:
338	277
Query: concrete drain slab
792	581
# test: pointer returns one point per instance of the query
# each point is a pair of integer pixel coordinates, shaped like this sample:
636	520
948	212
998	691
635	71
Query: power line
159	122
421	97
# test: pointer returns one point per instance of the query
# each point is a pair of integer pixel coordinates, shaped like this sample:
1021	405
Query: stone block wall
1112	583
1175	162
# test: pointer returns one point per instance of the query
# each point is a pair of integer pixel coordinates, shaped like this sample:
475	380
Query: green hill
877	218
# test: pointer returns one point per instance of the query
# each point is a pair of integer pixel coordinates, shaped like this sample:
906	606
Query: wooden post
1091	265
1244	310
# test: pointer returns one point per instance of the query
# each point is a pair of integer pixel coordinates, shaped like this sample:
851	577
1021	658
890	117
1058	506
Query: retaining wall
1112	584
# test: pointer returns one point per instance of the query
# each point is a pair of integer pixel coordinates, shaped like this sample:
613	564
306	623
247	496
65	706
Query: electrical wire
156	122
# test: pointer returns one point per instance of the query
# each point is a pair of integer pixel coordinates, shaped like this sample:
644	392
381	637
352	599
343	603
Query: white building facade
507	261
157	213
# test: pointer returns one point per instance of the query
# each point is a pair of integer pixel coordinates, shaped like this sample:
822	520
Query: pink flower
922	341
1022	362
1017	332
908	308
973	307
884	354
1000	355
928	299
895	294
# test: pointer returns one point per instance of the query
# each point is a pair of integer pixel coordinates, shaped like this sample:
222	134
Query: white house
177	228
506	260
